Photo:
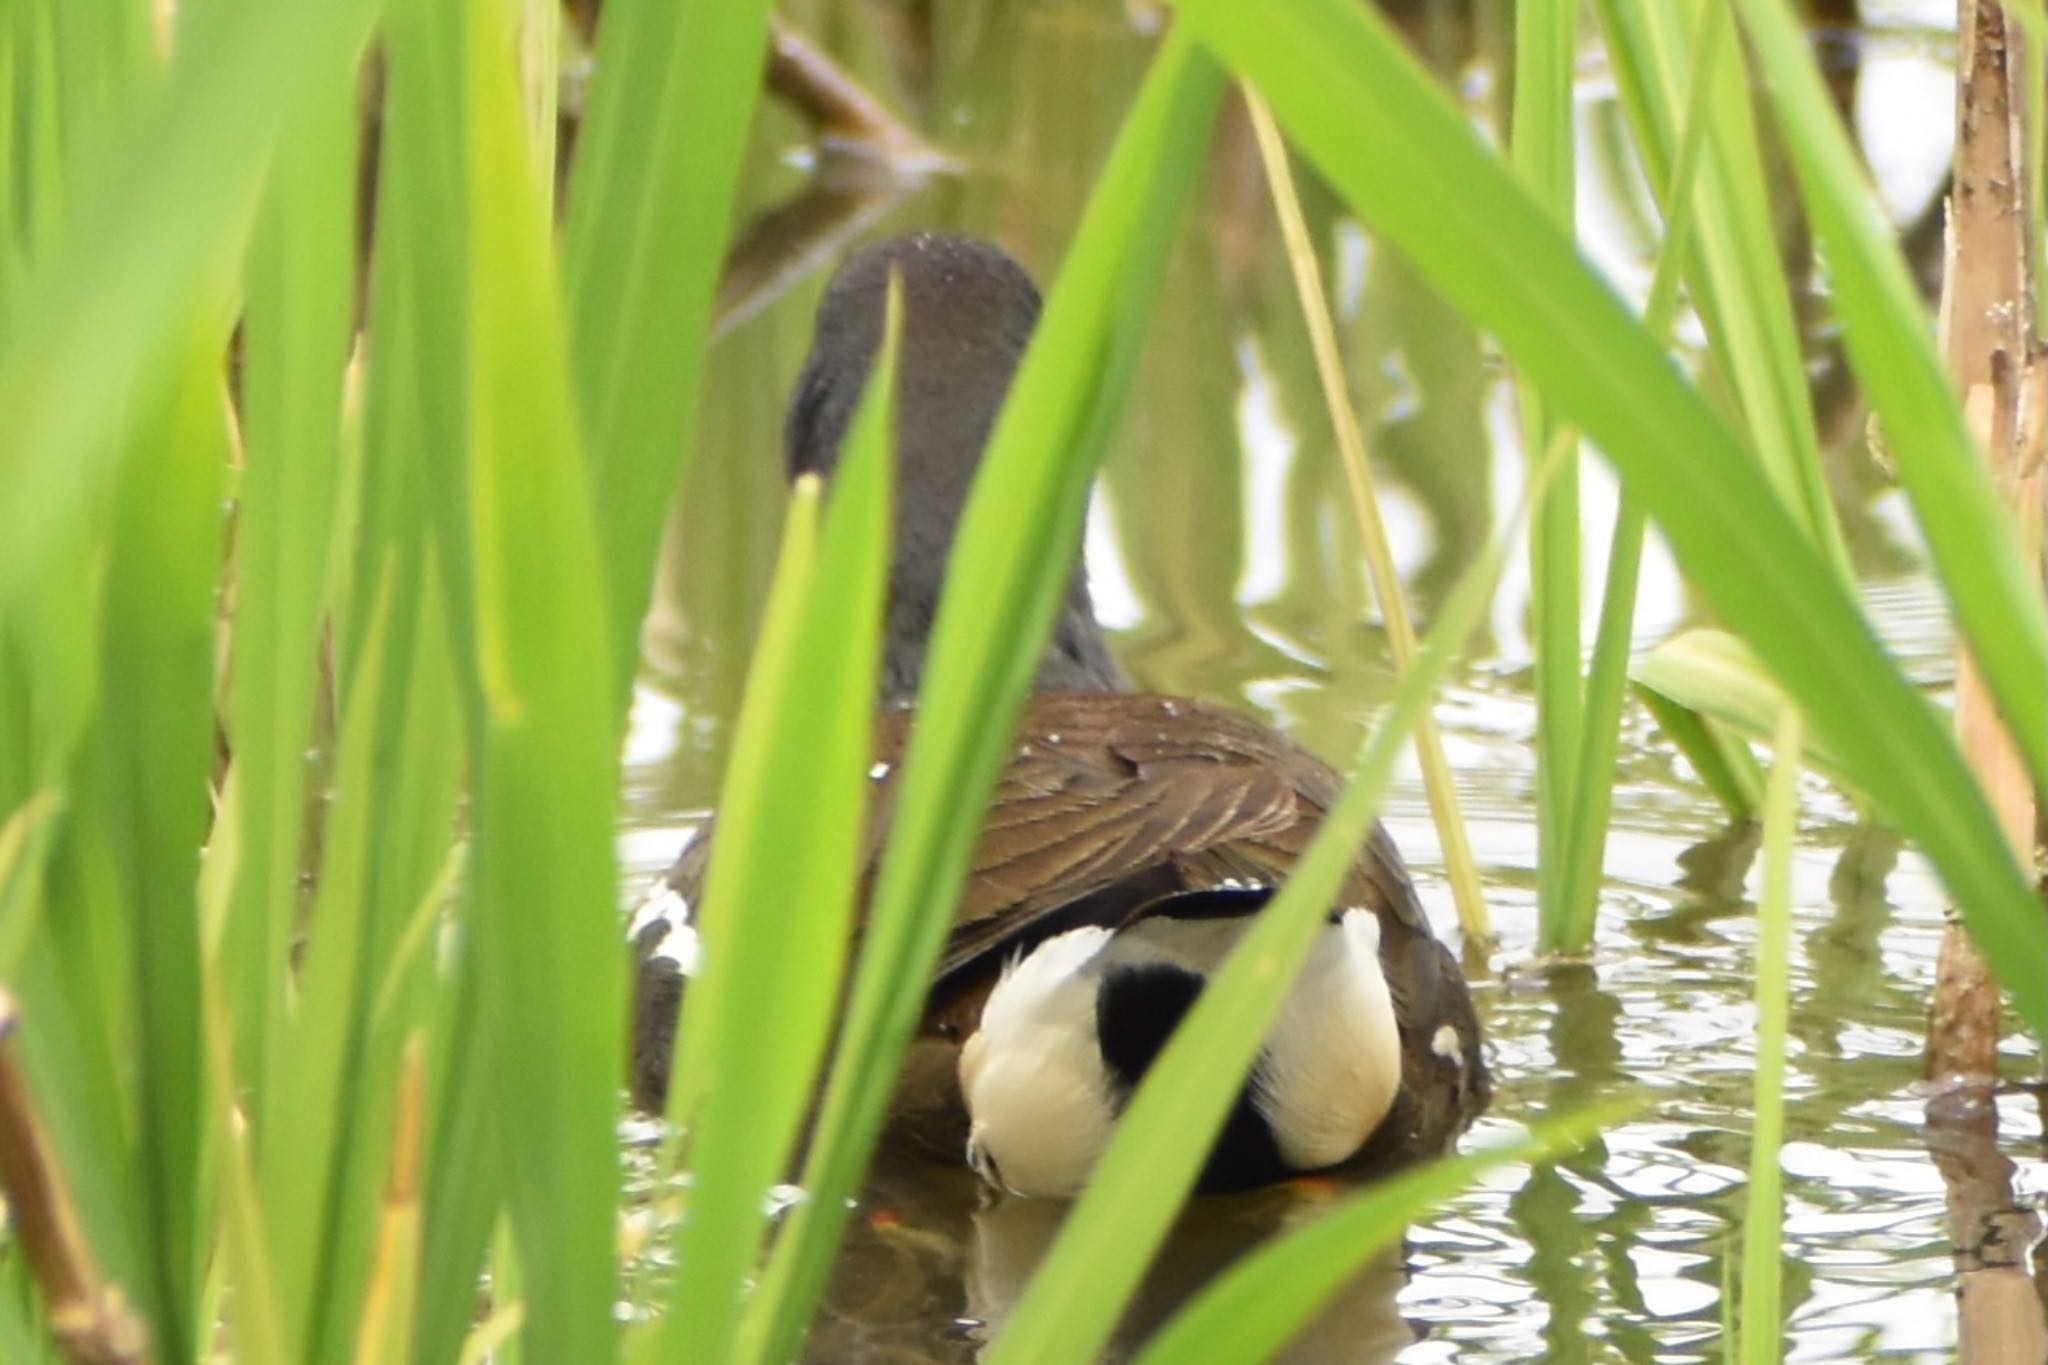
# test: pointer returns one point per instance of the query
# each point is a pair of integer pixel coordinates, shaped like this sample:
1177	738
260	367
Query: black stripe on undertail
1220	902
1137	1008
1209	902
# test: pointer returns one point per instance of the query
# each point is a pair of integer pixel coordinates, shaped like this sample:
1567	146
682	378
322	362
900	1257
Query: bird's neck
1076	657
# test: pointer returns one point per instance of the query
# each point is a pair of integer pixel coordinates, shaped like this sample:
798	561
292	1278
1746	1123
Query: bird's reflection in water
933	1266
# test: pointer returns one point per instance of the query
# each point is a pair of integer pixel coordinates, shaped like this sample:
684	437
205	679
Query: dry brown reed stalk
386	1329
1460	866
89	1321
1991	337
1994	353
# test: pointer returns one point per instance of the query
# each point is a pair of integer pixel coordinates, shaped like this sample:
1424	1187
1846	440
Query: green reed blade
417	778
1540	152
1736	271
1071	1305
332	1128
650	210
1584	839
1017	539
1567	923
1722	762
1993	592
415	512
70	969
1714	675
297	320
107	300
304	1145
549	966
156	736
1761	1331
416	407
464	1188
1408	161
798	778
1251	1310
252	1314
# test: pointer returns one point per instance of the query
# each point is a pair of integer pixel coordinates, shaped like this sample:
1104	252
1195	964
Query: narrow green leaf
404	891
650	210
1738	276
1540	152
798	779
297	322
1019	535
1762	1333
24	839
415	483
1723	762
1392	144
1994	593
1569	926
415	515
156	736
299	1174
1461	869
108	299
550	972
1713	674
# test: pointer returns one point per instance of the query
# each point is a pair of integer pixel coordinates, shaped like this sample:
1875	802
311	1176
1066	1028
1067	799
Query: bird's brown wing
1108	801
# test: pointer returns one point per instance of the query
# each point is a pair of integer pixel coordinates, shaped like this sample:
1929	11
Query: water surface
1224	558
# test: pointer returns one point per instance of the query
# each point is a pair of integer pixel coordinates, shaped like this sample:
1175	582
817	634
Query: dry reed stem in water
1459	861
1988	331
90	1321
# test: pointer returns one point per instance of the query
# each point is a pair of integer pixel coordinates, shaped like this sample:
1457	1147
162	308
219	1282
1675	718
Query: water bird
1129	842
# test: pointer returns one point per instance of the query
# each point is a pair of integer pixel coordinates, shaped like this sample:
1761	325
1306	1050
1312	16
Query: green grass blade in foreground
414	485
798	780
1713	674
1568	926
311	1132
414	506
1254	1308
297	323
155	743
650	208
541	924
1994	593
106	301
1762	1332
1391	143
251	1314
1722	761
1540	153
1018	537
1164	1135
1737	274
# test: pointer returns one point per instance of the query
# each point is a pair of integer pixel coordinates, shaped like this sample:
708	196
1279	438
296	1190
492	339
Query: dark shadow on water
934	1265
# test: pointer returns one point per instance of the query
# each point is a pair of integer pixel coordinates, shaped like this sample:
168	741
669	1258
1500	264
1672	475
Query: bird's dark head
968	314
